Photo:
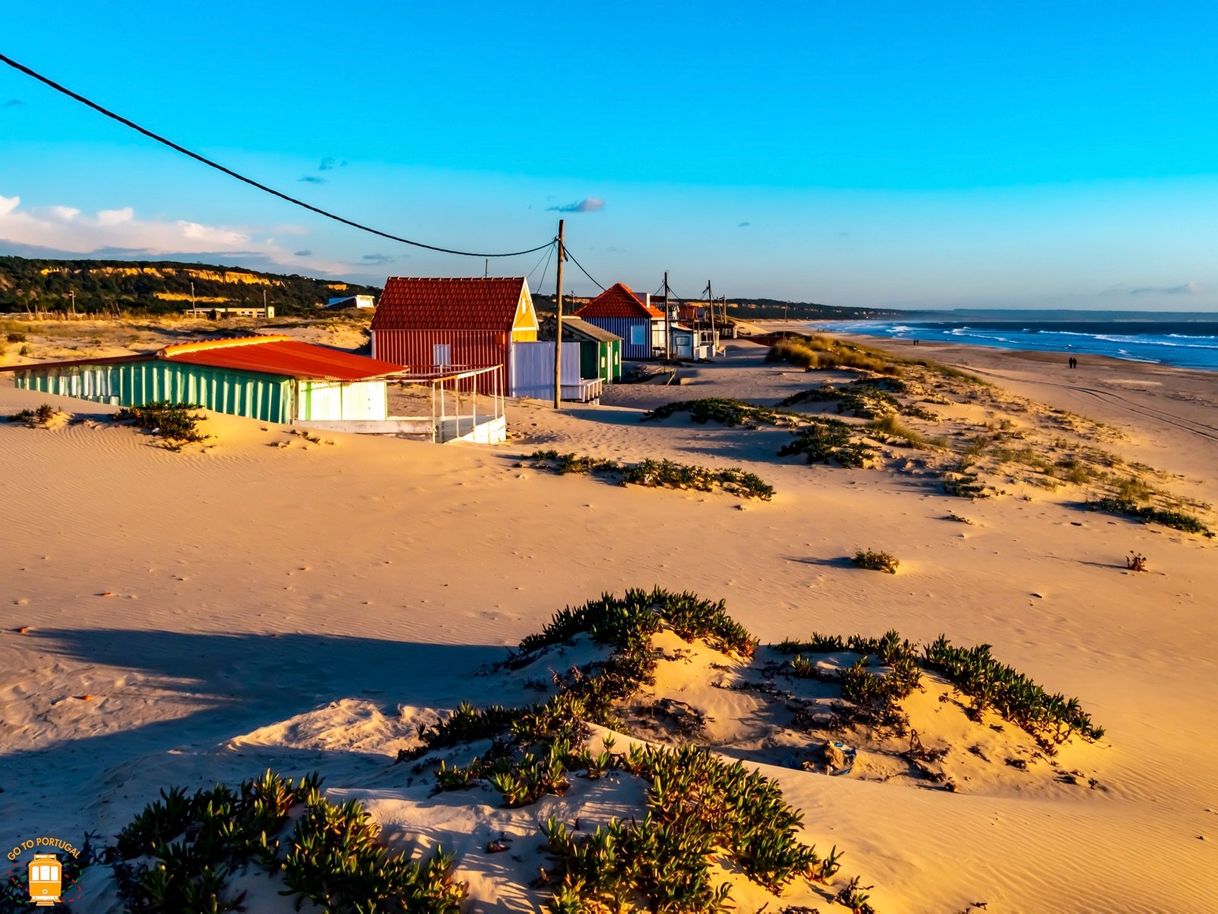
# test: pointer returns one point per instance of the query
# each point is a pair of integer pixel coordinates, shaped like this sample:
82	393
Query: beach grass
172	422
814	352
1051	718
1150	514
890	428
40	417
179	852
876	560
667	474
830	441
723	411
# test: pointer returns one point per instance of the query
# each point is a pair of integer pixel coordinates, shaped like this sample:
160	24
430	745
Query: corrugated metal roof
443	303
577	325
274	355
279	355
77	363
619	300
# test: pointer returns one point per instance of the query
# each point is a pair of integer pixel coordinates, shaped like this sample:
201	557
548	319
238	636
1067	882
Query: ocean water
1190	342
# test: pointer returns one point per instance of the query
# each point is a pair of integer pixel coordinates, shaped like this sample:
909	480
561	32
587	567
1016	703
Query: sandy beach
266	601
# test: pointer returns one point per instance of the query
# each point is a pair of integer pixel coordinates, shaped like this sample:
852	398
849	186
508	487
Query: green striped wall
238	393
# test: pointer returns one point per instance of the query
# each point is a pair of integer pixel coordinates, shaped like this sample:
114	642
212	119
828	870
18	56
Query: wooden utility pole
710	303
667	322
562	255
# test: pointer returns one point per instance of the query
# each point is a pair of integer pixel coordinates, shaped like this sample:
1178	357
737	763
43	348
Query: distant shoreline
1181	344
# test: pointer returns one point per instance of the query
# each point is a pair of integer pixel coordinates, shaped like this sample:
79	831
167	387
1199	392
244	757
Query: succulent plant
175	856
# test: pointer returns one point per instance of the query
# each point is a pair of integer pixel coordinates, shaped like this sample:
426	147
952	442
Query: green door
588	359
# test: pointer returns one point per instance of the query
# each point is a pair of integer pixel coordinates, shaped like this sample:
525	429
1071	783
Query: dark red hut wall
470	349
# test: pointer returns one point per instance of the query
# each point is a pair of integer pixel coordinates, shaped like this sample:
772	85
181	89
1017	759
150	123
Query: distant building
630	315
346	302
219	312
436	323
272	378
691	312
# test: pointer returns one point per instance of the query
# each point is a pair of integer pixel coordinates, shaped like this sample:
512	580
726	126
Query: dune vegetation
703	817
665	474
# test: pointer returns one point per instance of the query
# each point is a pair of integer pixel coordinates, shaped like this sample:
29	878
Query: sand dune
307	607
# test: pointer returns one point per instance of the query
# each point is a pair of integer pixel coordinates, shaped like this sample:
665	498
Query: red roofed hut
272	378
630	315
432	323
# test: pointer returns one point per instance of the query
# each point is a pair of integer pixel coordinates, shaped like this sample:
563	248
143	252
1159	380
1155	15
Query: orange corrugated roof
279	355
174	349
444	303
619	300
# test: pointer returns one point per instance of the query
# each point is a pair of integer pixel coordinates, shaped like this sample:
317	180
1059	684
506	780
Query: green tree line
110	286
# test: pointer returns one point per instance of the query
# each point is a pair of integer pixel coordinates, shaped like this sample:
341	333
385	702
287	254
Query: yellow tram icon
46	880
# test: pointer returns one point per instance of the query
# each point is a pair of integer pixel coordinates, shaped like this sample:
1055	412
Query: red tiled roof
619	300
279	355
440	303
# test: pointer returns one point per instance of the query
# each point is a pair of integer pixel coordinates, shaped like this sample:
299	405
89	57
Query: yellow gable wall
524	324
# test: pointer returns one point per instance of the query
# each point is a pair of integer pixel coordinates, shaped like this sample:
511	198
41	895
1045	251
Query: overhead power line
546	257
250	181
571	256
529	275
672	293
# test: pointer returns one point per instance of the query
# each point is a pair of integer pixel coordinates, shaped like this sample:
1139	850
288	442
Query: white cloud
67	229
115	216
213	237
586	205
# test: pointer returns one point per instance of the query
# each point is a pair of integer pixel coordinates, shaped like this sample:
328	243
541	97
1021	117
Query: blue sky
923	155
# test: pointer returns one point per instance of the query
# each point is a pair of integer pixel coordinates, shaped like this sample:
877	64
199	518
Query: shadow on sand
839	562
225	685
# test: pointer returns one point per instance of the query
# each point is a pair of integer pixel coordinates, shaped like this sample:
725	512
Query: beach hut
600	352
272	378
689	343
630	316
433	323
532	372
